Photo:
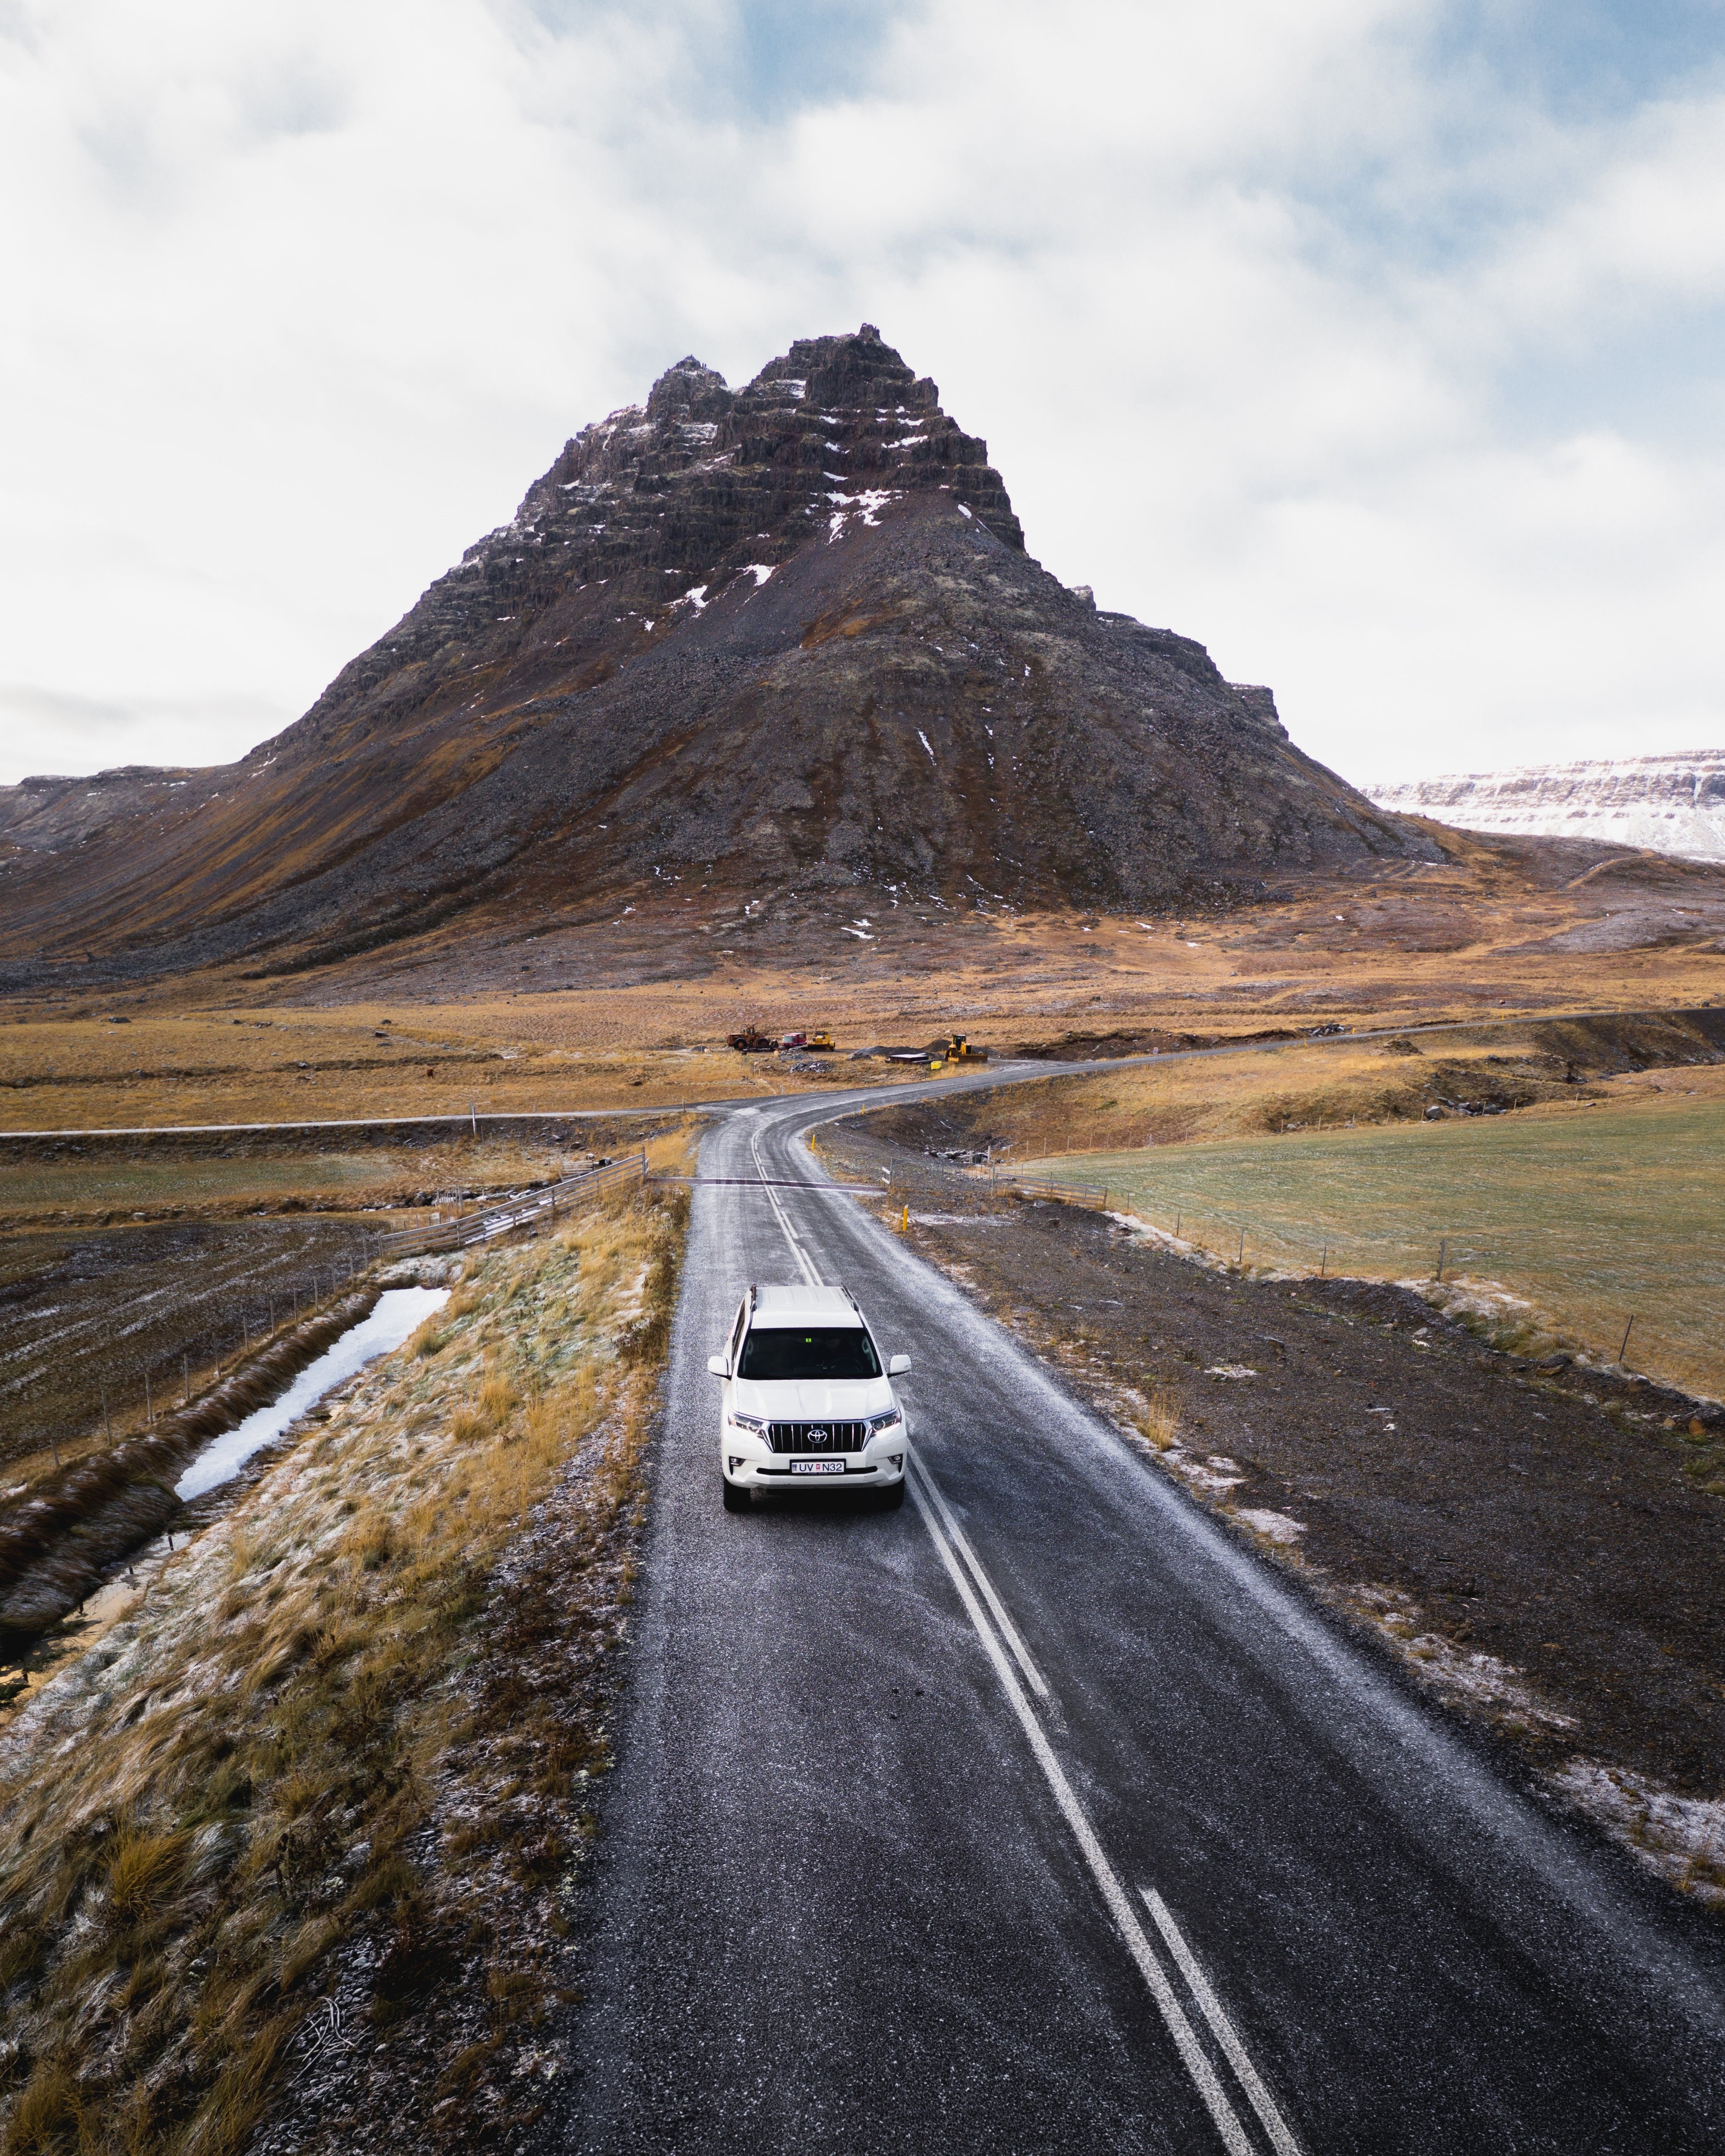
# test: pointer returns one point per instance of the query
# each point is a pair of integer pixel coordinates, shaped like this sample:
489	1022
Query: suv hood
812	1399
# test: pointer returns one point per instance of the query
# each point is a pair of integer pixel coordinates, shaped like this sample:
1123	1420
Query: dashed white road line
797	1251
1004	1646
1226	2034
955	1534
1120	1905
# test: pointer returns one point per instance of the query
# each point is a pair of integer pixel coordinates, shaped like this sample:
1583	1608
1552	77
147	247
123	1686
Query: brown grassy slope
1309	1085
332	1773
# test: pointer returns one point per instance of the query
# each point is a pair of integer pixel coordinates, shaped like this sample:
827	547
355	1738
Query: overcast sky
1377	344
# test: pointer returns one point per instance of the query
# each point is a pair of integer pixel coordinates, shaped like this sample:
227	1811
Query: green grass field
1592	1215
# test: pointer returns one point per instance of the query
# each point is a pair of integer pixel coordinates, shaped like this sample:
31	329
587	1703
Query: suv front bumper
761	1469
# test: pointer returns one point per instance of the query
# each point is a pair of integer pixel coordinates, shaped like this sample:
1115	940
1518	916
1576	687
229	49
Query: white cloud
1254	304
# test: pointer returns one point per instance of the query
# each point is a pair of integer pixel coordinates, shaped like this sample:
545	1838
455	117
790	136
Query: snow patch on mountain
1667	804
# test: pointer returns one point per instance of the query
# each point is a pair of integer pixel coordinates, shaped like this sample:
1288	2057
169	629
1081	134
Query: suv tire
891	1500
735	1499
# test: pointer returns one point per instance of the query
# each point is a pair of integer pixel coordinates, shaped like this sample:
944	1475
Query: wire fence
257	1313
1532	1289
537	1209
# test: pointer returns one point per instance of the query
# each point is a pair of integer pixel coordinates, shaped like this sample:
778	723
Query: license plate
817	1467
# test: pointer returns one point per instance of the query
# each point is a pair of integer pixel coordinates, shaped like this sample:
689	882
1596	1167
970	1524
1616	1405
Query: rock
781	637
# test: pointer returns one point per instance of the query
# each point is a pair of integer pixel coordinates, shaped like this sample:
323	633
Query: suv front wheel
735	1499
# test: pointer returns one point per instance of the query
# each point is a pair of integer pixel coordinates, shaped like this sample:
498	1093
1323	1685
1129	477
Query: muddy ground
1430	1487
110	1312
143	1315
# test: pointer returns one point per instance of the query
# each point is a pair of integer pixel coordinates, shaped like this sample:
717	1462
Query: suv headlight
754	1424
892	1419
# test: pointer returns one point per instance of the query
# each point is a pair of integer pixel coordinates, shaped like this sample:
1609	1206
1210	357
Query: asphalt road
1039	1816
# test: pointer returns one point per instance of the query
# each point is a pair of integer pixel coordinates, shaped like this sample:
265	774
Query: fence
539	1208
1564	1296
1069	1194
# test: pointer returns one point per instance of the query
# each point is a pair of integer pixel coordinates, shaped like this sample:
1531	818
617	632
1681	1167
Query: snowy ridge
1667	804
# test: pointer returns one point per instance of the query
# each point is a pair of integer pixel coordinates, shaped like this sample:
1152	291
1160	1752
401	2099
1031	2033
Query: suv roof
805	1305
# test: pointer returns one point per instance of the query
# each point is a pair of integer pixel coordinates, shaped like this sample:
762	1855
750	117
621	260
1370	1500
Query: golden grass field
1591	1211
326	1720
1487	933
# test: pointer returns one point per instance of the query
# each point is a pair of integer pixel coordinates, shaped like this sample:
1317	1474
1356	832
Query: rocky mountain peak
780	636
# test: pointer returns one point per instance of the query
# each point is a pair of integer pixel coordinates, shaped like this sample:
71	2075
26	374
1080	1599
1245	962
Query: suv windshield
826	1351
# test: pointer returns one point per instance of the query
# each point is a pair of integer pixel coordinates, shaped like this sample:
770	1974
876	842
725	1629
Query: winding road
1040	1815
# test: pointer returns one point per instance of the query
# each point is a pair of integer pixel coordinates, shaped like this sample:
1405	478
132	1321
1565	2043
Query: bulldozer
751	1041
821	1043
958	1049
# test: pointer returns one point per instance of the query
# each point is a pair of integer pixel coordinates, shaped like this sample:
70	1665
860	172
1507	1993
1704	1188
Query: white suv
807	1401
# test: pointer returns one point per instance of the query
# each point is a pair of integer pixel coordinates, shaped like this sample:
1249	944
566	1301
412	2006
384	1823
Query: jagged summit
785	636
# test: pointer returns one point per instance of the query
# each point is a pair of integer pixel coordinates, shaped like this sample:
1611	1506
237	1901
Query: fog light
735	1461
895	1460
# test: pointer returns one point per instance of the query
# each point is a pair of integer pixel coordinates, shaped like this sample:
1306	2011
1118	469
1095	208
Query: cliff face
1668	804
786	635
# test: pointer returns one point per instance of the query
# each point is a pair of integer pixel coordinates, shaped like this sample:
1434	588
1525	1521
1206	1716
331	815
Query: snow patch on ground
760	571
1680	1838
1274	1526
1451	1670
1216	1474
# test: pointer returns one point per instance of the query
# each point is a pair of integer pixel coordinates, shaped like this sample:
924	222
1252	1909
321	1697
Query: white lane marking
1021	1653
1009	1630
1119	1904
797	1251
927	1493
1274	2125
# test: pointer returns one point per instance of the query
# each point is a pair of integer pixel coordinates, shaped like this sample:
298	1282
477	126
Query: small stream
400	1312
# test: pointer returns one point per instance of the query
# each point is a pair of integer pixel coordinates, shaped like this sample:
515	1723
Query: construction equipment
821	1044
959	1050
751	1041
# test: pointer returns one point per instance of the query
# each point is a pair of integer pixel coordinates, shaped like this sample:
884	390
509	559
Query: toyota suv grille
817	1436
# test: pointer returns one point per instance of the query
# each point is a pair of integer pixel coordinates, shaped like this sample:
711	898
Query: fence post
1240	1257
185	1381
1623	1350
1442	1245
149	1408
1323	1262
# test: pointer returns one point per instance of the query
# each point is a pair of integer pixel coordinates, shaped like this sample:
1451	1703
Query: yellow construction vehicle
959	1050
822	1043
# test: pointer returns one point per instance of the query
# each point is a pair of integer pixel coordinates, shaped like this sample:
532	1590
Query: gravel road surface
1038	1815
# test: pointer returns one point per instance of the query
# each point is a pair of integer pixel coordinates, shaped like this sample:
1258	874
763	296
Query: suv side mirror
719	1366
897	1366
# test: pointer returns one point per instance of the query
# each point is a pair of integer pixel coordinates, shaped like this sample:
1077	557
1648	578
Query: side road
1006	1069
1042	1815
